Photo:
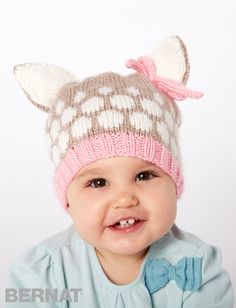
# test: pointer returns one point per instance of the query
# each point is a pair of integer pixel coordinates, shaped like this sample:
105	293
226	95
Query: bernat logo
25	295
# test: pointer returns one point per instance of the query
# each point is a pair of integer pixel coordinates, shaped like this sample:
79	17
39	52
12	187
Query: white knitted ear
41	82
171	59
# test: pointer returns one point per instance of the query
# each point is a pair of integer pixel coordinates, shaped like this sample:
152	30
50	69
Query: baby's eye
146	175
99	181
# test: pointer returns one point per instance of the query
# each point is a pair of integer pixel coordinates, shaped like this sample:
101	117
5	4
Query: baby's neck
121	269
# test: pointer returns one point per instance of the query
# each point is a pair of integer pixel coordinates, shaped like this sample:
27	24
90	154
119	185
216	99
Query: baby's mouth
126	223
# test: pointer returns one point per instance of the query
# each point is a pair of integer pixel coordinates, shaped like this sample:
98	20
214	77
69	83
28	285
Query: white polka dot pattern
151	107
162	128
81	127
141	121
93	104
59	107
68	115
174	147
63	141
110	119
122	101
79	96
105	90
88	113
160	100
134	91
175	130
169	119
172	112
55	129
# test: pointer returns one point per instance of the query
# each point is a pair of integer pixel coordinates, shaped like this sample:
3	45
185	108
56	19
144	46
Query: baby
118	173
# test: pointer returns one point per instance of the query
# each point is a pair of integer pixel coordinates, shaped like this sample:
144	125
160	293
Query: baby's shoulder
42	265
66	238
177	244
49	249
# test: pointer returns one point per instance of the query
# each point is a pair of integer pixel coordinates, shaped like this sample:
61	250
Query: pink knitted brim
110	145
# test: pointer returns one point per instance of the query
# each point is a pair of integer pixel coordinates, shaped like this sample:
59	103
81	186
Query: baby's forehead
117	162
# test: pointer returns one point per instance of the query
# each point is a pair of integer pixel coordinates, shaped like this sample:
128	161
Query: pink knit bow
173	88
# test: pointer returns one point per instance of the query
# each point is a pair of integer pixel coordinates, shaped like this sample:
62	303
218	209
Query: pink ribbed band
110	145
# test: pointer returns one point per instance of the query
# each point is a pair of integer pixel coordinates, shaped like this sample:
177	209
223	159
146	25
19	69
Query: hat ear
41	82
171	59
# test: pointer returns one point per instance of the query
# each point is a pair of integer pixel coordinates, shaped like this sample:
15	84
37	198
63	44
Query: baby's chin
136	251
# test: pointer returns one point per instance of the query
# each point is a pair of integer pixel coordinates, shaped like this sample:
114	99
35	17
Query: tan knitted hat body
112	115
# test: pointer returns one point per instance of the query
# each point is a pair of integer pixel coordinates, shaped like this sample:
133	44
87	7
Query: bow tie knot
172	273
186	273
173	88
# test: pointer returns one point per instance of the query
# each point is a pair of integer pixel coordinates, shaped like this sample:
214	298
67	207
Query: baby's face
121	189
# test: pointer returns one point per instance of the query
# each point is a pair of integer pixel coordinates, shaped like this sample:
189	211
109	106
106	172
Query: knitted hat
112	115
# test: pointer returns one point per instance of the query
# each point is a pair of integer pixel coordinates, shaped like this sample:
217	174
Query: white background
90	37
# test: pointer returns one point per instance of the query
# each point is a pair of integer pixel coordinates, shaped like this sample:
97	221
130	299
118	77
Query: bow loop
173	88
186	274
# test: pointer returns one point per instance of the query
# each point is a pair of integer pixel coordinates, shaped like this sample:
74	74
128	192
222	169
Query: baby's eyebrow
100	170
89	171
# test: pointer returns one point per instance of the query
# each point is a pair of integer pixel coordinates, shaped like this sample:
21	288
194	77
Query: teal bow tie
187	274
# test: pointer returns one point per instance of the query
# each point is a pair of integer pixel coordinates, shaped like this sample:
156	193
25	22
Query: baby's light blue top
66	261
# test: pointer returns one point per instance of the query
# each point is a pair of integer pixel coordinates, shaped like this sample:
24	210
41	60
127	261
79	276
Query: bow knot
172	273
187	274
173	88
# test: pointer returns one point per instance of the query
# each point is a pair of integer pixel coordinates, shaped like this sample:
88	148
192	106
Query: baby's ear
171	59
41	82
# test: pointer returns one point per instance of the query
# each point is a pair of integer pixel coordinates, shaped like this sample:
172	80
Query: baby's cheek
166	213
170	212
89	230
87	219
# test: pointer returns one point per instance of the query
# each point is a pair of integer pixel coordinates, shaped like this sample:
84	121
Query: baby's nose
126	200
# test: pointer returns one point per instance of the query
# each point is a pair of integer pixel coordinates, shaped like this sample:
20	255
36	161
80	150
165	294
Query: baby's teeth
123	222
131	221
